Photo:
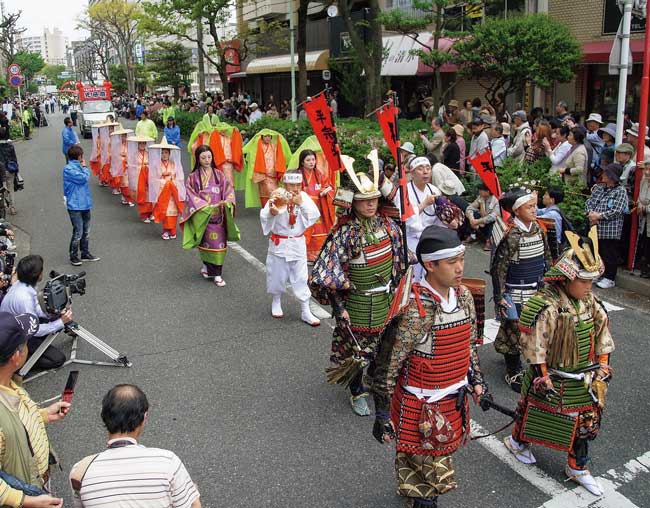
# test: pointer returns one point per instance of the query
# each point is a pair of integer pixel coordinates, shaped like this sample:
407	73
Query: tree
505	55
182	18
30	63
9	34
52	72
116	20
447	19
169	62
351	82
119	82
366	40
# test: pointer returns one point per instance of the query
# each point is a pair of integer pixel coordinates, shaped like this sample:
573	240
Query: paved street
242	398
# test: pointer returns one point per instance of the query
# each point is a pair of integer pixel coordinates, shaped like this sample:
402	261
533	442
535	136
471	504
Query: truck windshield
97	107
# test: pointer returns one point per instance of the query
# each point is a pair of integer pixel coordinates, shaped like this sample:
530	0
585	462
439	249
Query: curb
631	282
23	241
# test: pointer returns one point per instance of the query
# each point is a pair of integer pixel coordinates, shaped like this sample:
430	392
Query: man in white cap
424	372
593	124
285	217
255	115
520	260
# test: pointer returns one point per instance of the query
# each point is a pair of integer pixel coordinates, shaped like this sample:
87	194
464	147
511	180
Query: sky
38	14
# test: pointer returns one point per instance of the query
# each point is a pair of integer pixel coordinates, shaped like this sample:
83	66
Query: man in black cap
24	445
606	209
424	371
520	260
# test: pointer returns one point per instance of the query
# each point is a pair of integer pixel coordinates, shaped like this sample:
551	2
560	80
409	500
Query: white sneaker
583	477
605	283
521	451
307	316
276	307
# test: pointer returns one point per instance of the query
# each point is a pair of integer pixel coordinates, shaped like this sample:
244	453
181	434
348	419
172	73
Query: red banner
484	166
320	118
387	117
231	56
94	93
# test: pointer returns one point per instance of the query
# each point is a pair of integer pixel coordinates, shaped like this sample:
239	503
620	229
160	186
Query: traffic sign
14	69
16	81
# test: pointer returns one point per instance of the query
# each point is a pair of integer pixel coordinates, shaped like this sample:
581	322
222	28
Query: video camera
58	291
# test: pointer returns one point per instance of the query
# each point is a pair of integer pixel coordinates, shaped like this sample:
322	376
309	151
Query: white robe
287	261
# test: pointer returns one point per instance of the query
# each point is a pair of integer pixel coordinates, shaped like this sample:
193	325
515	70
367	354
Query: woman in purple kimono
209	208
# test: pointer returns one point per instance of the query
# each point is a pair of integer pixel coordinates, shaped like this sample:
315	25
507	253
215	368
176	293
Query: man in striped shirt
128	474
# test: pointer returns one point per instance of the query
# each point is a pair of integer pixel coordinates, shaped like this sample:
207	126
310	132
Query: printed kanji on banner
484	166
320	118
387	117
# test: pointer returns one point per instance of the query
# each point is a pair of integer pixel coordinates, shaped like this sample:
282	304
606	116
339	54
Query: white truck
93	112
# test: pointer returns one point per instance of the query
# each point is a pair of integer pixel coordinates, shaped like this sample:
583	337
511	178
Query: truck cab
93	112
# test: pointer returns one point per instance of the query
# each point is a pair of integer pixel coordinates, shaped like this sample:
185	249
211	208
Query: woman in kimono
207	214
119	172
138	170
166	188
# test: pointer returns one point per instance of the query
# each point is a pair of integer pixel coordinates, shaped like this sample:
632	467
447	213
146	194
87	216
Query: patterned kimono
359	264
204	226
568	336
420	380
517	268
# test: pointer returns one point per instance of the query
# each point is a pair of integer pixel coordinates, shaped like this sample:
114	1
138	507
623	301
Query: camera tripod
76	332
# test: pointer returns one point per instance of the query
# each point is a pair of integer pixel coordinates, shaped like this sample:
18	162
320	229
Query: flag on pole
484	166
387	116
320	118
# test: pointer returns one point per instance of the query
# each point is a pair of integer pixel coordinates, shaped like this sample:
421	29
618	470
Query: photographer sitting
22	298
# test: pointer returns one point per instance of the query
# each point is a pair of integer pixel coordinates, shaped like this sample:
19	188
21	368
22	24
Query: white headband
443	253
419	161
523	200
292	178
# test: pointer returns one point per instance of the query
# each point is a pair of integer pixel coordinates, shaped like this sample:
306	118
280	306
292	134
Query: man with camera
128	474
25	454
22	298
79	203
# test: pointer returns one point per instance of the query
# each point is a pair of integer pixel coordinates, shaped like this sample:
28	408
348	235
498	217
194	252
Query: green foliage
30	63
351	81
15	130
52	73
505	55
169	62
118	77
32	87
574	195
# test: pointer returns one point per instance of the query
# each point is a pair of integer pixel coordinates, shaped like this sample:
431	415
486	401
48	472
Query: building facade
52	46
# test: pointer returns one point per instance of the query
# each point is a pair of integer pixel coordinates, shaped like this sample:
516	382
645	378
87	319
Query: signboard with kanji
94	93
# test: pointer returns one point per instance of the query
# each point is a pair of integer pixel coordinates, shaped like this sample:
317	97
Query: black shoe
75	262
89	257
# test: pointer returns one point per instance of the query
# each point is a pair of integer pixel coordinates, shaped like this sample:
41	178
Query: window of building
504	8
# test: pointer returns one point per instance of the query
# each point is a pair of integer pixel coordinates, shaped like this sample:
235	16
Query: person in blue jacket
173	132
79	202
69	137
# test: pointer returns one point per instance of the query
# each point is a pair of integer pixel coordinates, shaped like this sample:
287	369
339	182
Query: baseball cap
14	331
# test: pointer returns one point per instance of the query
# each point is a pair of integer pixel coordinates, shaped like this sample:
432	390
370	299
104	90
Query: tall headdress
582	260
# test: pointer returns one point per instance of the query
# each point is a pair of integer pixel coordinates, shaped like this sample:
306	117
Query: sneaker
165	236
89	257
75	262
605	283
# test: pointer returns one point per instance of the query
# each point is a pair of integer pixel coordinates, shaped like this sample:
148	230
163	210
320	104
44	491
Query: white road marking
610	483
318	311
532	474
610	307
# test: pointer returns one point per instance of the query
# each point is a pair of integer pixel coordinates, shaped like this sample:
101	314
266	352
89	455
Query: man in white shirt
128	474
255	115
497	144
285	217
480	140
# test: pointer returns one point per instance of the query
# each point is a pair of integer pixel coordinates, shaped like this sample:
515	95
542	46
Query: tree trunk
201	66
301	45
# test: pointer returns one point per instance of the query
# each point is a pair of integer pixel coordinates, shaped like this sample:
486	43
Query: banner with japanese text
320	118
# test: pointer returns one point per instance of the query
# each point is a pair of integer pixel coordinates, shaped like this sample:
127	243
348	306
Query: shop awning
444	44
315	60
598	52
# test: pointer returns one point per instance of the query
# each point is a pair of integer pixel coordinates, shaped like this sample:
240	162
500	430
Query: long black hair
197	154
303	155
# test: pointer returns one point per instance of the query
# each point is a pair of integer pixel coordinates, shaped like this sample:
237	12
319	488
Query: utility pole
292	50
623	67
